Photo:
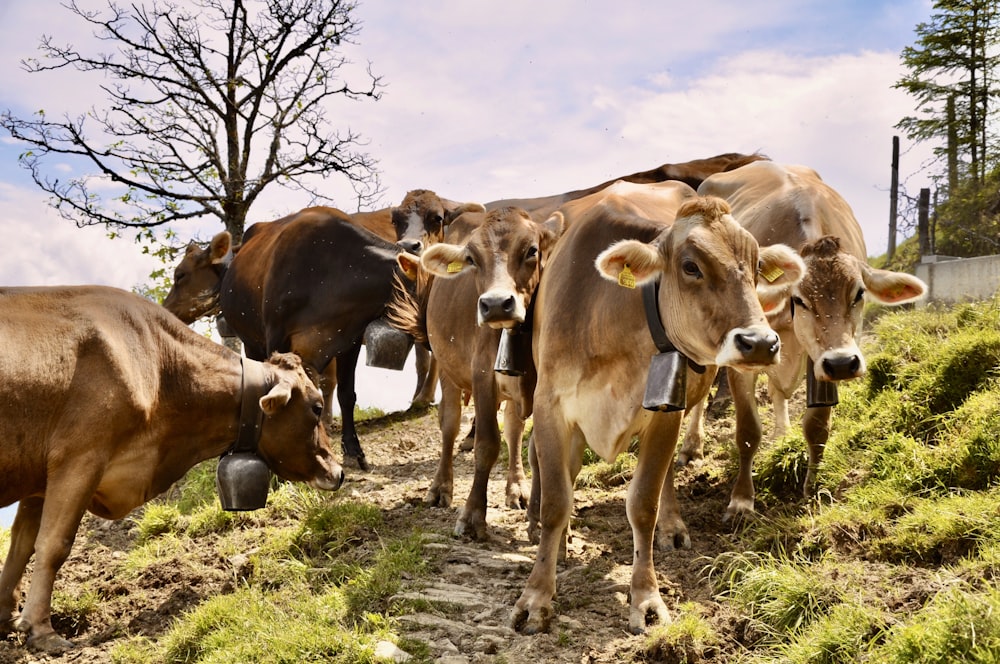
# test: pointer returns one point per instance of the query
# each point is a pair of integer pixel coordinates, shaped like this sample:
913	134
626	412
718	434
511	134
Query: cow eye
799	303
317	409
691	269
532	252
860	296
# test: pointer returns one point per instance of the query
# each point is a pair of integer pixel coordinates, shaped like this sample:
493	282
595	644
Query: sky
484	101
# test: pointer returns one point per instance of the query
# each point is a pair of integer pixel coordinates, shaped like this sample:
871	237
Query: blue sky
526	98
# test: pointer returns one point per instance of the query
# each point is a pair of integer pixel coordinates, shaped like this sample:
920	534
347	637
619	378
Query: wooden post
893	198
923	214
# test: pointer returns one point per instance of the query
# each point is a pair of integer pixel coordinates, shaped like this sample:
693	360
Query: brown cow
691	173
822	322
592	345
310	285
485	279
108	399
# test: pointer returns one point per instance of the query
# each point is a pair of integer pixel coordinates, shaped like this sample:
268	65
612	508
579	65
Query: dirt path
484	578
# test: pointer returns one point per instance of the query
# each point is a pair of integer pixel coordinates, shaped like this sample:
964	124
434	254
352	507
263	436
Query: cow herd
603	314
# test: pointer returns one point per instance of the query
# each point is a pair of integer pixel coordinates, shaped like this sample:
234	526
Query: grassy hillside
895	560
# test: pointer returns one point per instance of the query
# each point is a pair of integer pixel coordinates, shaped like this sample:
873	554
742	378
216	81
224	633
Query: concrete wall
960	279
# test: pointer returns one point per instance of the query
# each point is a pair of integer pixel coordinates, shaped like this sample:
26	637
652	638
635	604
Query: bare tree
208	103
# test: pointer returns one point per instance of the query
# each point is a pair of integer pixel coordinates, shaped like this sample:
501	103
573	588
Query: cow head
195	291
710	300
827	305
506	254
421	218
293	439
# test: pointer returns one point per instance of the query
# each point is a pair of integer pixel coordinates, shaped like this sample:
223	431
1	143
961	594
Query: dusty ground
485	577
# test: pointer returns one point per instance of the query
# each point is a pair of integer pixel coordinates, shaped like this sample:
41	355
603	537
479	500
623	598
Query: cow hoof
530	622
437	498
467	444
473	528
357	460
50	643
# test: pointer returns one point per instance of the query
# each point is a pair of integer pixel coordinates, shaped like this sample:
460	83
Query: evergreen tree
953	78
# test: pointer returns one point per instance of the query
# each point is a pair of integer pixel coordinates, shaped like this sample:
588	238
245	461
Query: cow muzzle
500	309
750	348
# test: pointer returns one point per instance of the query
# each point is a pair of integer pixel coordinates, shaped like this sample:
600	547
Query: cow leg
327	384
656	455
816	429
449	421
427	377
347	364
518	488
22	545
67	493
472	521
748	434
532	612
693	448
534	527
671	532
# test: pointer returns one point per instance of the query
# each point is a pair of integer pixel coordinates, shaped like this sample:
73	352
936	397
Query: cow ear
552	229
220	247
276	399
630	263
444	260
887	287
408	264
453	210
780	269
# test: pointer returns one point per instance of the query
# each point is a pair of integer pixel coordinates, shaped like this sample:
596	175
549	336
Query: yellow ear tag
455	267
772	274
626	278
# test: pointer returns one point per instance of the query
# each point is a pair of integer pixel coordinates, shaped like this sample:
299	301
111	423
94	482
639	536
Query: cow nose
412	246
757	348
841	368
496	307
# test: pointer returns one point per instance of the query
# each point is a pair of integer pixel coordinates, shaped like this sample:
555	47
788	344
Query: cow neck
254	386
650	297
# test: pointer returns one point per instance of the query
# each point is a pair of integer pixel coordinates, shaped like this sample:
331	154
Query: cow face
293	440
710	301
420	220
195	291
506	254
827	305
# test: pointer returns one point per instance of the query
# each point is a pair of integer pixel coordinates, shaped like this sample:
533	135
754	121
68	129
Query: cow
691	173
310	285
108	399
418	221
592	343
820	318
485	277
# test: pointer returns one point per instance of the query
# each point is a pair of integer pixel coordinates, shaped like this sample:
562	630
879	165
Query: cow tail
407	307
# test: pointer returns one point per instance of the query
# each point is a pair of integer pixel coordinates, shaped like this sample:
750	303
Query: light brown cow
484	281
691	173
592	347
108	399
820	319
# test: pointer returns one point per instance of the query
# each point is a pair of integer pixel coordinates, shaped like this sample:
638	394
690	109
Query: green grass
896	558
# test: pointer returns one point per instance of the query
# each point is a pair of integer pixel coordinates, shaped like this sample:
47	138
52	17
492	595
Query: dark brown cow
792	204
418	221
592	347
311	285
485	279
108	399
691	173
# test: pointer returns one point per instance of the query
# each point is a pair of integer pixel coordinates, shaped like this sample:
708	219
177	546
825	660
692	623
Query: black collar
254	386
650	295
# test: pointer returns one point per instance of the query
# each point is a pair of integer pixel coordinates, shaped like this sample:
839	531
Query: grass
896	557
